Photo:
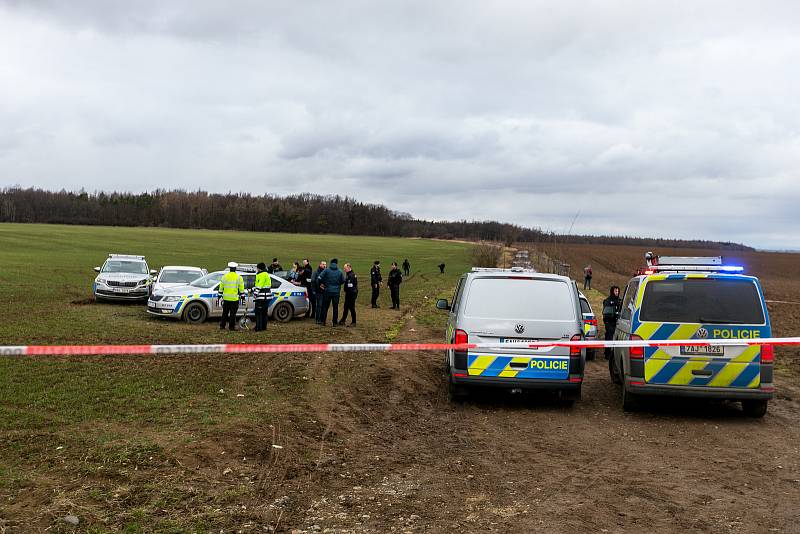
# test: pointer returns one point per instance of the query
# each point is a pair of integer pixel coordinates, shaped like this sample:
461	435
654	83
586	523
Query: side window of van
627	301
457	295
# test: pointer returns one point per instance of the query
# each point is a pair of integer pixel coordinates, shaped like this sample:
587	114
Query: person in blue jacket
330	282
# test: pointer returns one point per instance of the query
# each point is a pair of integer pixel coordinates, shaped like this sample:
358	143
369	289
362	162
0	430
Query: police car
198	301
175	276
508	308
694	298
123	277
589	324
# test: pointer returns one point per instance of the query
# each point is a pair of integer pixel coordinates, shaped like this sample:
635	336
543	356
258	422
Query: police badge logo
702	333
519	328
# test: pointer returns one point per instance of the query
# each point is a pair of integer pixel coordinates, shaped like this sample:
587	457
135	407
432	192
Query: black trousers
327	300
611	326
262	307
395	291
318	307
587	282
406	271
376	291
312	300
349	306
229	309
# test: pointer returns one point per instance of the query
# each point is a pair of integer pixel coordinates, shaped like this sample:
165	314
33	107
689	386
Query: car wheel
195	313
612	371
283	312
455	392
590	354
629	400
754	408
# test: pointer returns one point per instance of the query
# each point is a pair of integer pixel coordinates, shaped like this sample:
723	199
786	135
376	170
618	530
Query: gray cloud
647	117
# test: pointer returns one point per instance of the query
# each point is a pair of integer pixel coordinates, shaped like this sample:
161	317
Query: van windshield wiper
715	321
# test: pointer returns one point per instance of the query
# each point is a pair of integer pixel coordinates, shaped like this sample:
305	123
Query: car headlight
144	282
101	281
172	299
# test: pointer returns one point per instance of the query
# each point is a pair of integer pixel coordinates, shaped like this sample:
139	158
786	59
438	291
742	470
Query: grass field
103	437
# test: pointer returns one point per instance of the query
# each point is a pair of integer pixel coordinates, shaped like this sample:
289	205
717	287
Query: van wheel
457	393
195	313
629	400
568	399
282	312
754	408
590	354
612	371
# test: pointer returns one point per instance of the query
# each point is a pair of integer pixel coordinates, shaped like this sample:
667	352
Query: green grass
104	426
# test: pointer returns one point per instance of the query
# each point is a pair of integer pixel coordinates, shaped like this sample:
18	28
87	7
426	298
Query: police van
698	299
506	308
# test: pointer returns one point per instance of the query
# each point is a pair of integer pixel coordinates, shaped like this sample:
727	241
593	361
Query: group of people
324	286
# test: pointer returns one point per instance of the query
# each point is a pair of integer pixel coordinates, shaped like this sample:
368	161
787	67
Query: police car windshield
175	276
702	300
207	281
125	266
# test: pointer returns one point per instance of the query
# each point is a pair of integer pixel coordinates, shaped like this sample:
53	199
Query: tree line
301	213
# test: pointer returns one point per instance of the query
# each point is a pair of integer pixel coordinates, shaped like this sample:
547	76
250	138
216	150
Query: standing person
330	281
587	277
395	279
308	272
611	308
294	275
406	267
262	293
441	268
230	290
375	280
350	294
274	267
317	290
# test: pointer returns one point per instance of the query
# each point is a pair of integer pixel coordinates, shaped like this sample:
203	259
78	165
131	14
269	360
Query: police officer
350	294
231	290
262	293
375	280
395	279
611	308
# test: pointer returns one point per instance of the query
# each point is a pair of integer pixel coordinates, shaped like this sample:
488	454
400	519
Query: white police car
123	277
198	301
175	276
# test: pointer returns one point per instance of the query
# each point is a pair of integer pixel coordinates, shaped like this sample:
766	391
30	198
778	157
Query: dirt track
400	457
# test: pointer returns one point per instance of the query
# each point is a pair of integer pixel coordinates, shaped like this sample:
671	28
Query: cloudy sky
678	119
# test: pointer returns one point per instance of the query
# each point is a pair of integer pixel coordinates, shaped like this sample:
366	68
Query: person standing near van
375	280
350	294
587	277
611	308
394	281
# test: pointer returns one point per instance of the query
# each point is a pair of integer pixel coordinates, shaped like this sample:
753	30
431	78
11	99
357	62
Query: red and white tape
43	350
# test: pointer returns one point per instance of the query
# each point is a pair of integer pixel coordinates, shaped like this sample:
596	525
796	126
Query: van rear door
700	307
512	310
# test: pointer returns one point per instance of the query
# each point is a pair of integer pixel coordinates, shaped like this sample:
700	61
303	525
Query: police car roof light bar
125	257
687	263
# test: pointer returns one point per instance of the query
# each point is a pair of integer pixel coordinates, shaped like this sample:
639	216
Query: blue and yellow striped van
695	306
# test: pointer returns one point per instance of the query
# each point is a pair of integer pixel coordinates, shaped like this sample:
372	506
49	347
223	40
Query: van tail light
575	352
767	354
461	338
637	353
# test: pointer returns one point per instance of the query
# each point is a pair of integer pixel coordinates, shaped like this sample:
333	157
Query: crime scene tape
83	350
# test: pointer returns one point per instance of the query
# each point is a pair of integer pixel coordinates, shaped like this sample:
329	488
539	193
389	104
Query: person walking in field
350	294
611	308
394	281
587	277
406	267
375	280
331	281
231	290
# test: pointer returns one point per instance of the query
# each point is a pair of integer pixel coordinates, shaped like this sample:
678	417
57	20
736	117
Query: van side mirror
97	269
442	304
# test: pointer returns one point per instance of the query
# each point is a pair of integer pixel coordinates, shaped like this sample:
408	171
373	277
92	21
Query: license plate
120	289
517	340
699	350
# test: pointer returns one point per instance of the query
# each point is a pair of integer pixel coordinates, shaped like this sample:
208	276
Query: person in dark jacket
350	294
317	291
406	267
394	281
305	279
330	282
441	268
611	308
375	280
274	266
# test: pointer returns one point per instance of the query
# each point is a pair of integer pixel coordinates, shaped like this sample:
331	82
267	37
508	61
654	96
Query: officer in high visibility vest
231	290
262	293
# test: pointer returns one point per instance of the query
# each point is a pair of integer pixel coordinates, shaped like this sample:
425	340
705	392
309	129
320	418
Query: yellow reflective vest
263	286
231	286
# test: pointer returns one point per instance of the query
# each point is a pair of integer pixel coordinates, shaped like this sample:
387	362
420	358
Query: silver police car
197	301
123	277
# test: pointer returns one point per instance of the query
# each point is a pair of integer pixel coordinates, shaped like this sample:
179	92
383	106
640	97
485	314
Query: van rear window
702	300
520	299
